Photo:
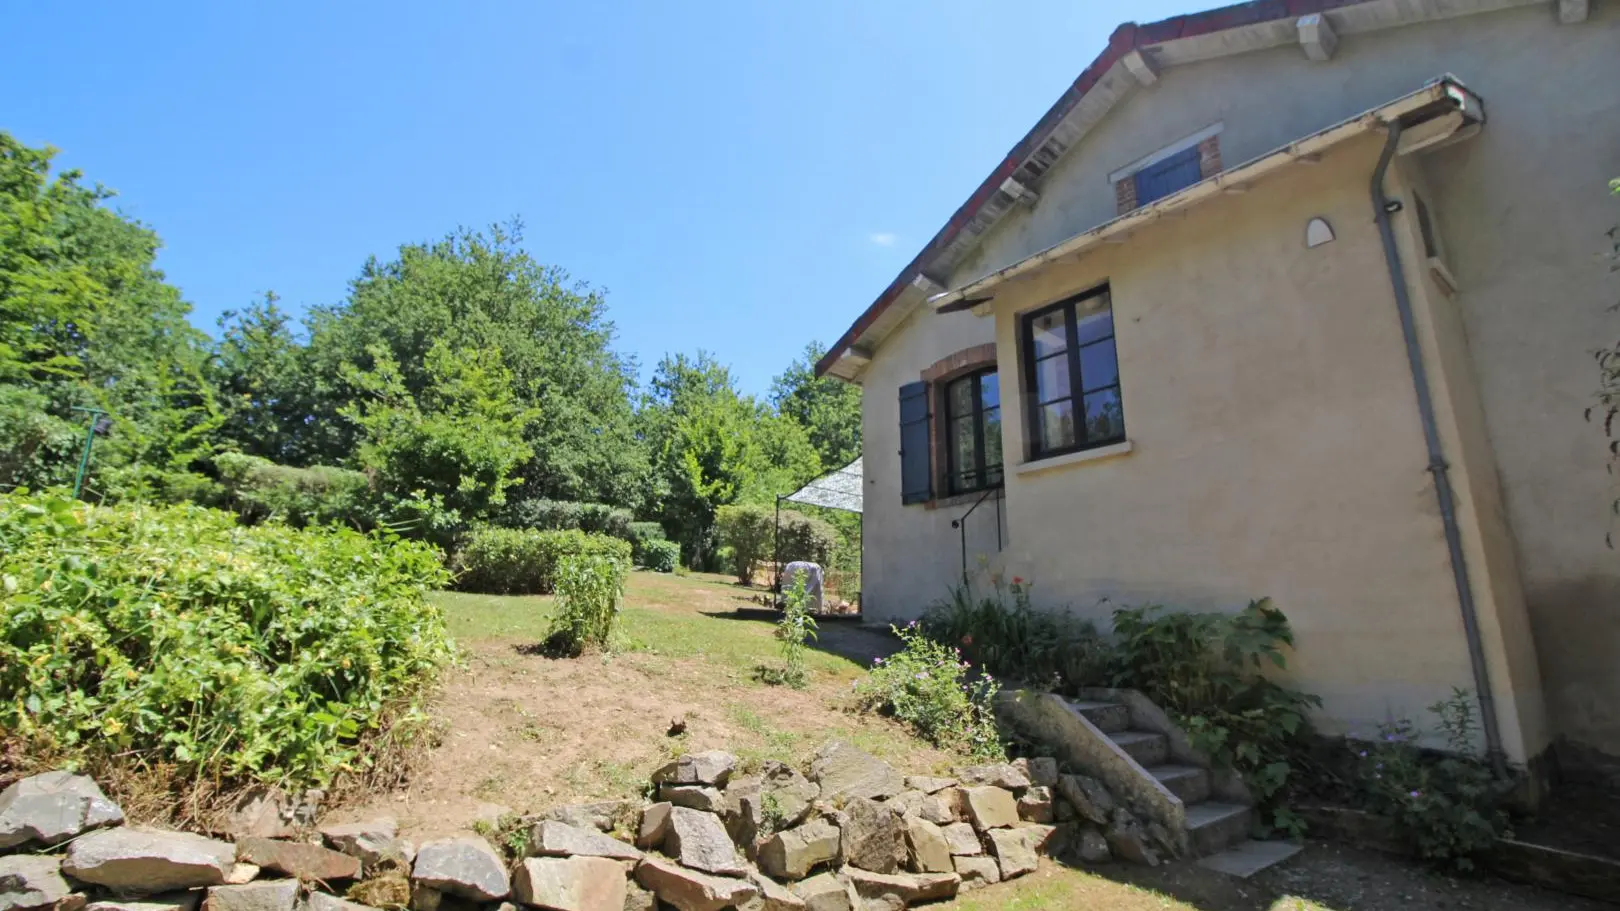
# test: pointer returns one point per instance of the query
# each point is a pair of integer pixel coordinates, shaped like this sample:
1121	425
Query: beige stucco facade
1274	441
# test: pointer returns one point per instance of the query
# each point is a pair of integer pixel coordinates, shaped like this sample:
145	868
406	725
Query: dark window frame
953	472
1077	391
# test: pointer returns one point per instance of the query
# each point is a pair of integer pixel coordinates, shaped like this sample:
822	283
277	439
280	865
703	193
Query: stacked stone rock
853	835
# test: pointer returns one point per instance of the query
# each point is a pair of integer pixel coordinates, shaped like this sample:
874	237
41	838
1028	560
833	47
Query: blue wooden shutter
1160	179
916	471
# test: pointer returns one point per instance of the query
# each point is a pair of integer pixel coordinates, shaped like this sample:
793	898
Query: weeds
590	588
927	686
1017	642
1449	805
796	626
1205	669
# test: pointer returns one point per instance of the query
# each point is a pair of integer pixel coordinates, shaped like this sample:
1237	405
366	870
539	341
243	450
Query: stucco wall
1277	450
912	555
1275	446
1533	295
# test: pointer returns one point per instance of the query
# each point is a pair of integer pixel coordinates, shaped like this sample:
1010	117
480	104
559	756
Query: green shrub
747	530
750	533
806	538
1205	669
589	588
1449	805
1015	641
927	686
566	515
642	534
259	489
510	561
661	556
173	635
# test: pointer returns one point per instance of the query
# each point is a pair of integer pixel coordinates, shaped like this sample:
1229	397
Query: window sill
960	499
1075	458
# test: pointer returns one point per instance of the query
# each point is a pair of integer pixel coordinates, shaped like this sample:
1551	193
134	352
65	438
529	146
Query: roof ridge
1125	38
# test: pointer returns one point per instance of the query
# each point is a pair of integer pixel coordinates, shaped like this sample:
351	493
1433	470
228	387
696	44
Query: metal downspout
1437	461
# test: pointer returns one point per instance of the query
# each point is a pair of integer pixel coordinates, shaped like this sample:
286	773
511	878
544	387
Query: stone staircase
1217	830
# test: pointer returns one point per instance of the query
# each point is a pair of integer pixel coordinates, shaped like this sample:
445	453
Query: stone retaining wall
851	833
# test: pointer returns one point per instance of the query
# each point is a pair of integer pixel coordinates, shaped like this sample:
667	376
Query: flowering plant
1449	804
931	688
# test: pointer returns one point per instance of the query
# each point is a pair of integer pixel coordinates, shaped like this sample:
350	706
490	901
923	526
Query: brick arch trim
971	358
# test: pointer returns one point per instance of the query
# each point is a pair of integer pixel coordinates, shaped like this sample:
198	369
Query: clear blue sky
739	176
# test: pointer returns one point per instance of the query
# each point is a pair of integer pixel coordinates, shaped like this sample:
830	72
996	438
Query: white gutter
1237	179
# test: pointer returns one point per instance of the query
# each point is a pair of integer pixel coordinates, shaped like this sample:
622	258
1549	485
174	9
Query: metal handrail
960	524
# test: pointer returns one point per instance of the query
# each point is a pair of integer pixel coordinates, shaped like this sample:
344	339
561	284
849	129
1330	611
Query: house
1293	298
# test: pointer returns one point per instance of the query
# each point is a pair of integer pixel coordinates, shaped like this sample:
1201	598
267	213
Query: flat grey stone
1042	771
29	881
1017	851
927	850
559	839
654	827
699	841
873	837
990	807
149	861
827	892
794	853
1247	858
907	888
601	815
962	838
465	867
570	883
928	785
843	772
373	841
693	797
53	807
977	872
270	895
689	890
996	774
711	767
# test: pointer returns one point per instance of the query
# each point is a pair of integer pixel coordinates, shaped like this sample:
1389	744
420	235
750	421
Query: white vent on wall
1318	232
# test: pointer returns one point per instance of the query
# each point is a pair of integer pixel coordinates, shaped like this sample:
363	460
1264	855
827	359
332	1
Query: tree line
460	377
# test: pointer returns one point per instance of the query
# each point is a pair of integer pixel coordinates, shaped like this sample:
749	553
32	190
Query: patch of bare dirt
520	732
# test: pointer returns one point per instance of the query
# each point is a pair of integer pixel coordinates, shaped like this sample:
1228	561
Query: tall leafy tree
267	391
455	443
829	410
86	319
479	291
713	446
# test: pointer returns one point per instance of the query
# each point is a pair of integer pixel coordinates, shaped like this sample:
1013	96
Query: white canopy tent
841	489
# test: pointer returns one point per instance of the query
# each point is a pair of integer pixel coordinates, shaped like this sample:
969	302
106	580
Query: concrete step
1190	783
1249	857
1213	826
1109	717
1146	747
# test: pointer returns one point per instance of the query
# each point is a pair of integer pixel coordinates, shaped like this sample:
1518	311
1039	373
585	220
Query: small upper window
1160	179
973	431
1072	373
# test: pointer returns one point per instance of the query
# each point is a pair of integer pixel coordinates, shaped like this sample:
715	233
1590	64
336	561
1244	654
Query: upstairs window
973	431
1072	372
1160	179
